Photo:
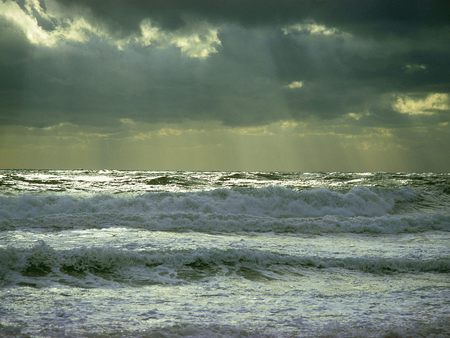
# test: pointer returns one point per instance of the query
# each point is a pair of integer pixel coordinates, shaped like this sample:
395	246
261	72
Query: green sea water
224	254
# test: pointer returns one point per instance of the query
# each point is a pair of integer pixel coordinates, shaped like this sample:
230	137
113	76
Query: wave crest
277	209
175	266
271	201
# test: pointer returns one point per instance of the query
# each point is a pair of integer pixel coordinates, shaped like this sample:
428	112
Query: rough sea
224	254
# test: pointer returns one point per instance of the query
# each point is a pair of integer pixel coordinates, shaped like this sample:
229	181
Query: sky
287	85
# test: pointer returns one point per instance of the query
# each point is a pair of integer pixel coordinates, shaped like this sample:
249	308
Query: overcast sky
225	84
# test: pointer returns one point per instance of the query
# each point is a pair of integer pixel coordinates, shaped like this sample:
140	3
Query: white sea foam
222	223
436	328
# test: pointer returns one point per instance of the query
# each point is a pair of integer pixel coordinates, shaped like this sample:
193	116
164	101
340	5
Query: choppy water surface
138	253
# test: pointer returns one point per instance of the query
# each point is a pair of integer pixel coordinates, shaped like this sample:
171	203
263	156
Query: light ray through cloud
198	80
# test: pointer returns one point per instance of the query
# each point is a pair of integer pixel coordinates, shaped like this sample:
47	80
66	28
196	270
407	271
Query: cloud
34	33
431	104
200	40
64	29
295	85
414	68
375	18
96	62
313	29
200	44
197	40
357	116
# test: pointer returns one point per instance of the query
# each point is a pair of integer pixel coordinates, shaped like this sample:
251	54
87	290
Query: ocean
110	253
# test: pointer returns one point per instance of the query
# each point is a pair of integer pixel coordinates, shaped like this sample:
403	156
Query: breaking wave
272	201
177	266
278	209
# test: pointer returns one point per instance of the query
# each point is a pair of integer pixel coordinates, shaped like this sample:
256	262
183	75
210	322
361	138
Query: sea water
222	254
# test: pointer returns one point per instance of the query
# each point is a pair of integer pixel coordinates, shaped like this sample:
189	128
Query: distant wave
117	181
178	266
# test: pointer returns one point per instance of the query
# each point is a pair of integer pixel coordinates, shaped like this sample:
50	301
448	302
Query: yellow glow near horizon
285	145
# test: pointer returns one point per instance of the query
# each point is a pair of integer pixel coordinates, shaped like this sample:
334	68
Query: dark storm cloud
353	75
14	56
374	16
245	82
97	84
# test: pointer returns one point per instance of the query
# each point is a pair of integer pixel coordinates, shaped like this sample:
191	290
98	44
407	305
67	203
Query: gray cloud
372	16
87	79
